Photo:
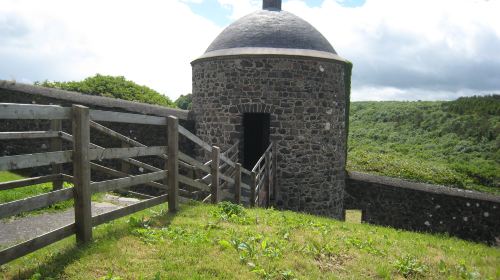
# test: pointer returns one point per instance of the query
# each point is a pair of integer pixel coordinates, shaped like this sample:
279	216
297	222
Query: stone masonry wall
306	101
423	207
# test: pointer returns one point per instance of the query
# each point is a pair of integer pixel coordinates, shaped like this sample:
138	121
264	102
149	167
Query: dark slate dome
271	28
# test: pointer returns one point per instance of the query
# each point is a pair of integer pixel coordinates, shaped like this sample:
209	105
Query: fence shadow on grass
108	235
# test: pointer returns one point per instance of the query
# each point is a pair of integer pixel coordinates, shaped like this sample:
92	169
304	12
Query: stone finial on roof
271	4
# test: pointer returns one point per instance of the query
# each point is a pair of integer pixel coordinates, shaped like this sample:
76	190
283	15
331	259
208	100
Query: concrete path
13	231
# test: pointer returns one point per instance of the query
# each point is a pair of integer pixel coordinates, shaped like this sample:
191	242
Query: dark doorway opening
255	137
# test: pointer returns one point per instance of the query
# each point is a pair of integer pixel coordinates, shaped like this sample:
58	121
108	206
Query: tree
112	86
184	101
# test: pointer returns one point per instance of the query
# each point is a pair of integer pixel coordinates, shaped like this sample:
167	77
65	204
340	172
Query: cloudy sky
401	49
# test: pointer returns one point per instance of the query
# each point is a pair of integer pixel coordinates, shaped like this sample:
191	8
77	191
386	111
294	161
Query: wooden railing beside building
214	178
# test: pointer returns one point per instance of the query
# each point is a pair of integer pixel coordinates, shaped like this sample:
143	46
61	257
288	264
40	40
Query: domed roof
271	31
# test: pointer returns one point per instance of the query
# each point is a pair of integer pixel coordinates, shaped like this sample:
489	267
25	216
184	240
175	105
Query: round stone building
271	76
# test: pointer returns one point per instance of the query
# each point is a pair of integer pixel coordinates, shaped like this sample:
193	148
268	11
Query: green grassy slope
454	143
227	242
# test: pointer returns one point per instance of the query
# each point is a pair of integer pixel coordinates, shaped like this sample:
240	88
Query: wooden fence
222	177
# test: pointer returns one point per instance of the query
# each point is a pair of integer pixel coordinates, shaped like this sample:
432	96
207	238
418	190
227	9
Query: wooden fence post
237	183
253	185
81	173
275	171
214	170
268	180
173	163
56	145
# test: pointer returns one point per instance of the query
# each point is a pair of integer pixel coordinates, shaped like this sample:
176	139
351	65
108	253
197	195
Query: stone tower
271	76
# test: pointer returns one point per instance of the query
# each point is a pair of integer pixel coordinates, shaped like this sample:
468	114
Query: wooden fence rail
220	173
261	182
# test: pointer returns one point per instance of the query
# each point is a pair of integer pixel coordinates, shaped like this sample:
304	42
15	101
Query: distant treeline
480	105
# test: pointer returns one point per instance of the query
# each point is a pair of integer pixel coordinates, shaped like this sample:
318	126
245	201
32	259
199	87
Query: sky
401	49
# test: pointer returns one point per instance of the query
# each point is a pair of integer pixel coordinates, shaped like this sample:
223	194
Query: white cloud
241	8
150	42
414	49
399	48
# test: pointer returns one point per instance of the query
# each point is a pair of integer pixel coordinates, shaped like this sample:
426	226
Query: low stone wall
424	207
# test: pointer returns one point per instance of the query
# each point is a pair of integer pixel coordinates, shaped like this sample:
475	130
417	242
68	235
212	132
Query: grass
24	192
228	242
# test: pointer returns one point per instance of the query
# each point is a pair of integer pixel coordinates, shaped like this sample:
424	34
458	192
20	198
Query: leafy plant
409	266
465	273
110	276
365	245
227	211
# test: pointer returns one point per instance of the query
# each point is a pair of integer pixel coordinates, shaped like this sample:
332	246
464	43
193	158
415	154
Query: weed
287	274
365	245
465	273
229	211
110	276
141	222
409	266
36	276
225	244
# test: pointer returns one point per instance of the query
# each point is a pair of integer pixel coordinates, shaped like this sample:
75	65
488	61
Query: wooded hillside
453	143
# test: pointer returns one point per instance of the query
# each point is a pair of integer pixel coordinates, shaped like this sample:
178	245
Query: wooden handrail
28	135
130	141
34	160
246	171
262	157
115	153
194	162
116	135
125	182
69	138
110	116
234	146
186	133
12	111
116	173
